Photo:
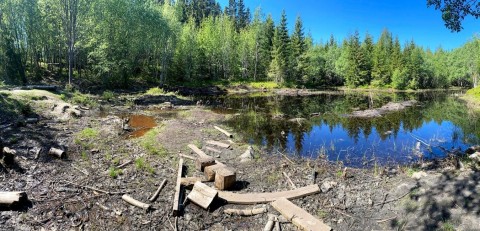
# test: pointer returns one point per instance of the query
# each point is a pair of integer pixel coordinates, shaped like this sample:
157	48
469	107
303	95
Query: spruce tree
297	55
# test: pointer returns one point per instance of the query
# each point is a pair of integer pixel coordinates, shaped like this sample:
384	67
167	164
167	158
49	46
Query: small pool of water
439	124
140	124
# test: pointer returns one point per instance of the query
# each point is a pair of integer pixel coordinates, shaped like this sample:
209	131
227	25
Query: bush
399	79
155	91
108	95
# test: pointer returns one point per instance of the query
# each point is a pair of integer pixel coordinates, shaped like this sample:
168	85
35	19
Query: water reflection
314	125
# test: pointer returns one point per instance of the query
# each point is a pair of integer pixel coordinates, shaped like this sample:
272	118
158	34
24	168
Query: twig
155	195
92	188
168	218
286	157
134	202
176	223
289	180
384	199
125	164
395	199
387	219
80	170
345	214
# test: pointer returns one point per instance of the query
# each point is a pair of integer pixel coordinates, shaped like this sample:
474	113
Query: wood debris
298	216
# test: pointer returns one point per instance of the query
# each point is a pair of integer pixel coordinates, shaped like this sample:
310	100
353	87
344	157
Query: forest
124	43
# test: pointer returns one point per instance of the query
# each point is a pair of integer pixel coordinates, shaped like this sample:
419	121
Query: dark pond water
440	123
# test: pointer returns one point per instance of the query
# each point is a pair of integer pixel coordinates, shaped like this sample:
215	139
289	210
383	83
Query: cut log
9	155
202	162
213	150
245	212
219	144
225	178
178	189
56	152
159	189
258	198
210	170
301	218
270	223
134	202
224	132
202	195
12	199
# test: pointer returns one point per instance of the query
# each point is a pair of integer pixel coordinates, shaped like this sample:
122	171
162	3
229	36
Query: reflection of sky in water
338	145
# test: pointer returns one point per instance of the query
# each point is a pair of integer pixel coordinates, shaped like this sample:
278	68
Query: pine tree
277	67
381	68
367	48
357	68
297	56
283	44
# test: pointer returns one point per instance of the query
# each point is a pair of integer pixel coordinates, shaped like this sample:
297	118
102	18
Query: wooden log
188	182
12	199
270	223
225	178
136	203
9	155
159	189
202	162
224	132
202	195
210	170
301	218
213	150
219	144
178	189
245	212
187	156
56	152
258	198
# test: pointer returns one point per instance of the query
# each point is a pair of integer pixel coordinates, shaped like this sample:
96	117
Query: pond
316	125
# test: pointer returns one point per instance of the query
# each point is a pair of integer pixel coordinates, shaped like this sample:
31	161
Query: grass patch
447	226
150	143
142	165
114	172
108	95
264	85
475	92
86	137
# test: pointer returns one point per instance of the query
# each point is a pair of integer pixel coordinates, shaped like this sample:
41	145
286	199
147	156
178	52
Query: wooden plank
190	181
298	216
219	144
178	188
199	152
202	195
225	178
258	198
224	132
202	162
209	171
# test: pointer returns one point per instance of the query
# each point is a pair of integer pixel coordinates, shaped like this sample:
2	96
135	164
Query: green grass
86	137
114	172
158	91
108	95
447	226
264	85
150	143
79	98
142	164
475	92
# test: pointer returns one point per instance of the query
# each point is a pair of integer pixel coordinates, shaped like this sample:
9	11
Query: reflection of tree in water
264	119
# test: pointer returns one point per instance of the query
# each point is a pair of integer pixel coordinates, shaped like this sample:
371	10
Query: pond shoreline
382	197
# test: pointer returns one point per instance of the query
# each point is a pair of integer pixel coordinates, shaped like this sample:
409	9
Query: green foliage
152	146
114	172
474	92
108	95
156	91
141	164
79	98
264	85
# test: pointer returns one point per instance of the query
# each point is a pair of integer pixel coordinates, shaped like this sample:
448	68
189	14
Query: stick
277	225
289	180
286	158
125	164
270	223
92	188
187	156
224	132
134	202
245	212
155	195
395	199
387	219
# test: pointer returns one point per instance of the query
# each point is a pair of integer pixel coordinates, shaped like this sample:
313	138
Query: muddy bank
378	112
100	157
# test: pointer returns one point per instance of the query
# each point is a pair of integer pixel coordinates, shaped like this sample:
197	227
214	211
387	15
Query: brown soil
366	199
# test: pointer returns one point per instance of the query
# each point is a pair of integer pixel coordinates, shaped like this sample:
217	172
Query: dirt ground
98	140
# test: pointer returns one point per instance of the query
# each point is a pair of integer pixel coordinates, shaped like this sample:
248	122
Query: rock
326	186
247	156
418	175
473	149
475	157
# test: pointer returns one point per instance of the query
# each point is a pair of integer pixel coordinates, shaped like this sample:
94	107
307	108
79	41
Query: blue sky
409	19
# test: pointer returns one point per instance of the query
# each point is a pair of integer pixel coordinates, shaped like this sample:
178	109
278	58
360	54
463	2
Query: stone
418	175
247	156
475	157
326	186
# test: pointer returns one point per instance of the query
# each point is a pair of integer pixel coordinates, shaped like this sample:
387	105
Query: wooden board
213	150
199	152
202	195
202	162
298	216
224	132
178	188
219	144
258	198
